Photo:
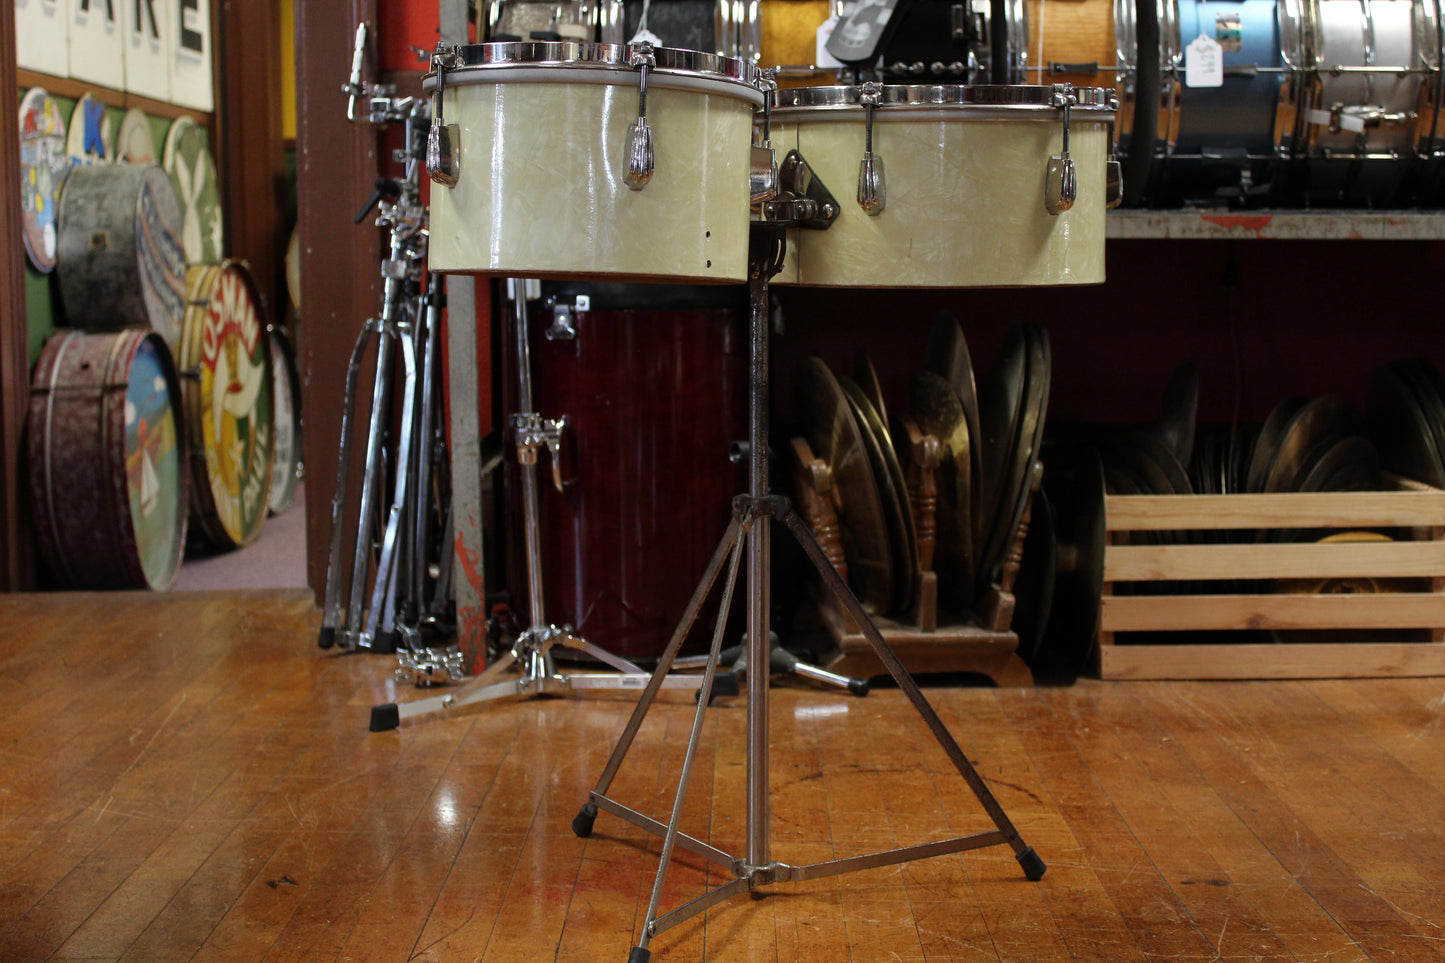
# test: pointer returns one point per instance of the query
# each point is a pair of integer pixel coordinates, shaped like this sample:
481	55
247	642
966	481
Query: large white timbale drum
965	176
543	138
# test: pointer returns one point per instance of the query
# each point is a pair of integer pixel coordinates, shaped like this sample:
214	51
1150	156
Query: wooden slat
1145	563
1348	660
1386	610
1127	513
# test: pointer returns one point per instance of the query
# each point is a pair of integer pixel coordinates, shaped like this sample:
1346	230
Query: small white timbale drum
544	141
965	176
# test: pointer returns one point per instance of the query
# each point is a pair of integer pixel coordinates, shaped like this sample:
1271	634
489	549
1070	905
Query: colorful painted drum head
286	385
90	139
121	264
108	476
153	462
229	427
187	161
43	166
134	143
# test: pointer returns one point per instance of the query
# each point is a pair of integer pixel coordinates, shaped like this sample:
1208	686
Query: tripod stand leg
669	840
602	655
331	621
732	538
1032	865
485	686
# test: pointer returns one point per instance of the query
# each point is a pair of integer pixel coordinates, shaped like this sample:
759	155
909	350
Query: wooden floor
190	778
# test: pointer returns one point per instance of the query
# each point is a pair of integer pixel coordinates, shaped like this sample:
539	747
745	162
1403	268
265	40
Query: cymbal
867	378
1266	444
1013	493
1034	584
948	356
939	412
1074	483
835	437
1179	411
1422	379
893	490
1400	430
1320	421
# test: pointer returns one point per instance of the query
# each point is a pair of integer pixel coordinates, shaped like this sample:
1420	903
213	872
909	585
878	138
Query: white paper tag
821	57
1204	63
1349	122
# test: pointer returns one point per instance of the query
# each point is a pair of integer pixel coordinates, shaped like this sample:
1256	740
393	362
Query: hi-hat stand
752	519
531	653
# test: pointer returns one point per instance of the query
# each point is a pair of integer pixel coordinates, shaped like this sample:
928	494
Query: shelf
1278	225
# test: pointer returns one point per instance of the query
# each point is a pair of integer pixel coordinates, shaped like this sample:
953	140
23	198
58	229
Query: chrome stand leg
752	515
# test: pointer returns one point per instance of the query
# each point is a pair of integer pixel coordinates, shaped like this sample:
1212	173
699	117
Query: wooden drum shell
653	399
81	463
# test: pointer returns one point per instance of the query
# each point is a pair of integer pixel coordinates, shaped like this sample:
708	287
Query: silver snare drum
965	174
544	142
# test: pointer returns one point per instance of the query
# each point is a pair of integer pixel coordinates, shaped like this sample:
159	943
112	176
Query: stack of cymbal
1405	411
974	453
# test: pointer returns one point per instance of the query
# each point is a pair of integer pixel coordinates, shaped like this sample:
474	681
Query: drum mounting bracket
802	199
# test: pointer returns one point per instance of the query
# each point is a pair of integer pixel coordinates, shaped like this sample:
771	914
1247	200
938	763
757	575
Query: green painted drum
107	475
43	166
225	358
89	139
187	161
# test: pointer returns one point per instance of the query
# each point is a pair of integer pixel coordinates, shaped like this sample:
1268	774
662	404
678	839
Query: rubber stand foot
385	718
582	822
639	955
859	687
385	642
723	684
1034	867
327	638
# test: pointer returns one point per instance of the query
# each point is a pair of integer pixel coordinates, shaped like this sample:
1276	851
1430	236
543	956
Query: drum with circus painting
108	475
225	362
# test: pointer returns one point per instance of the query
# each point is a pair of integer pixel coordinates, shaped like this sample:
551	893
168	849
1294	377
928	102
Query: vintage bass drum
107	470
225	362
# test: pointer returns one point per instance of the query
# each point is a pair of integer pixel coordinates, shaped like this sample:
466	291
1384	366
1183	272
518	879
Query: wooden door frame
17	562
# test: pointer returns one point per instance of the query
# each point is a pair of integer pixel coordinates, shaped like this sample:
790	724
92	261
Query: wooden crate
1417	556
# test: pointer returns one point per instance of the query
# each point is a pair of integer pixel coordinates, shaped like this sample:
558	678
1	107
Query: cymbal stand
753	514
531	653
405	307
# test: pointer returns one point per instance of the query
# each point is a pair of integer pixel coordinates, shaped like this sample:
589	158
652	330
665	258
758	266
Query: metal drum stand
531	654
753	514
389	607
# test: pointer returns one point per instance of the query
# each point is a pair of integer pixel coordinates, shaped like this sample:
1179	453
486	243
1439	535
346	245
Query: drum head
286	396
229	403
187	161
43	166
155	469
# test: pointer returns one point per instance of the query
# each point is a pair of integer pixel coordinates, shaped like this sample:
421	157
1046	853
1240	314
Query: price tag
1204	63
821	57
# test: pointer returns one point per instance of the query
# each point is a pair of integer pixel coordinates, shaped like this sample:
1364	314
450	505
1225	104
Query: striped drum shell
107	474
120	259
225	362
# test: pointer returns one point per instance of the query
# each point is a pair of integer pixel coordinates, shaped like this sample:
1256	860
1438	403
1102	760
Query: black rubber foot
385	642
583	821
327	638
385	718
1034	867
859	687
639	955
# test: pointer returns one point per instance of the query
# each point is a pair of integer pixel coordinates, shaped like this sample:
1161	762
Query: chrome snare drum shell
543	139
965	175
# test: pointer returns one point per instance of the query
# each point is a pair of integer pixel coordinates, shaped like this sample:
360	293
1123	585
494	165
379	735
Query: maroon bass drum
652	381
